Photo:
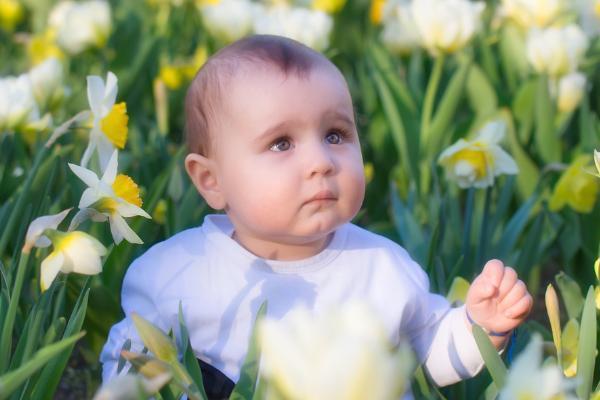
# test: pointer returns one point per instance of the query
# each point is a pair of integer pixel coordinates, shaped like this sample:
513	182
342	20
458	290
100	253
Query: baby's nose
320	160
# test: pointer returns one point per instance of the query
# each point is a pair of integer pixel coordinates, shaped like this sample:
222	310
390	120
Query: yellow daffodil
475	163
446	26
556	51
306	356
159	215
528	378
376	11
11	13
81	25
328	6
369	172
73	252
113	197
458	290
171	76
43	46
535	13
131	386
576	188
553	311
570	341
109	129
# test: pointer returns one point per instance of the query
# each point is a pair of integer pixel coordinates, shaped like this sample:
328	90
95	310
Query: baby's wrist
489	332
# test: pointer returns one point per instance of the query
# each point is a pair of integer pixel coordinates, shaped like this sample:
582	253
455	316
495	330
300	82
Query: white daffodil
446	26
131	387
81	25
310	27
73	252
227	20
571	89
113	197
343	354
17	103
556	51
399	32
535	13
35	232
109	129
475	163
527	379
47	82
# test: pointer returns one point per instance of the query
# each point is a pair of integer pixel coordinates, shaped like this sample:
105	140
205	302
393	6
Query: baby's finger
493	271
508	281
516	293
521	308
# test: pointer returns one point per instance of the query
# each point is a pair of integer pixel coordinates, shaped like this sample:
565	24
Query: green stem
484	228
466	245
17	212
432	86
6	338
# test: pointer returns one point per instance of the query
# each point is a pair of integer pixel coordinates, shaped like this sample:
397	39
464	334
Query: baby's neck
282	251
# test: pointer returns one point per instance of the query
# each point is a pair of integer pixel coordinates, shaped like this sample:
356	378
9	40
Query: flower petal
120	230
105	151
131	210
87	176
110	173
82	253
39	225
50	267
95	93
110	90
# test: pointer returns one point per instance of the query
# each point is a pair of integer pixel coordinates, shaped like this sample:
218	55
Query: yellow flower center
376	11
114	125
125	188
43	46
477	157
11	13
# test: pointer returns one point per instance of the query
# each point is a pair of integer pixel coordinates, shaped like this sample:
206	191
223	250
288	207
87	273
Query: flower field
480	130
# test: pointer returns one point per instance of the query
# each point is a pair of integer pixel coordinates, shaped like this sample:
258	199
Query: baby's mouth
322	197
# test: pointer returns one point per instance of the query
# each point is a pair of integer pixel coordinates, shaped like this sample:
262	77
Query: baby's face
287	156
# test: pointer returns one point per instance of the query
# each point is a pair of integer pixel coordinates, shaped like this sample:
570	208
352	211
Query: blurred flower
475	163
597	162
175	75
597	268
73	252
159	215
131	387
575	188
47	83
597	271
399	32
527	379
571	89
109	129
369	172
35	232
43	46
81	25
535	13
155	340
589	14
570	341
227	20
310	27
553	311
458	290
556	51
11	13
328	6
446	26
114	197
376	11
338	355
17	104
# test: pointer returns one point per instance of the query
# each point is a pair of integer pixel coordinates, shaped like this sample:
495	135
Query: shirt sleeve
439	334
138	295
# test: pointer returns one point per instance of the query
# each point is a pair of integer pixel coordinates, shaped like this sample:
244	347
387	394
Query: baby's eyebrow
275	129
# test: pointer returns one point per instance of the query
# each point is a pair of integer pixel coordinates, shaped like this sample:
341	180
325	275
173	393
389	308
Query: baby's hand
497	300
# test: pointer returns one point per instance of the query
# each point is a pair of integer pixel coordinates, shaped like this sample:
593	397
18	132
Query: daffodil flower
528	379
130	386
575	188
113	197
475	163
35	232
597	162
73	252
109	129
570	342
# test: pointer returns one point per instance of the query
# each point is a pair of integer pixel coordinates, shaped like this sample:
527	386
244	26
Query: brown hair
205	93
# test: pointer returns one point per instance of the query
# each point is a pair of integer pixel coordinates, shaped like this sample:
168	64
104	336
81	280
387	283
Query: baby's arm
497	301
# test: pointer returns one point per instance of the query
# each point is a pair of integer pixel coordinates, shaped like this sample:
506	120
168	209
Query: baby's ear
201	171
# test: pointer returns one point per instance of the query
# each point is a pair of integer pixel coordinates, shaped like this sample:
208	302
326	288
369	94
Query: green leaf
10	382
514	228
480	92
490	355
586	355
512	55
246	385
545	138
523	109
571	295
189	358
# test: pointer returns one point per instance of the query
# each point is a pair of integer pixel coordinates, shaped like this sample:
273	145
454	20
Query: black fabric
216	384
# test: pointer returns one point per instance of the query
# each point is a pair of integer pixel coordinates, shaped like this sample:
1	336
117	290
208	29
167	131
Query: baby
273	143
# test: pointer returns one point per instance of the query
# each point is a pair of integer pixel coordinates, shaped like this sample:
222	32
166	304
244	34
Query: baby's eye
334	137
281	145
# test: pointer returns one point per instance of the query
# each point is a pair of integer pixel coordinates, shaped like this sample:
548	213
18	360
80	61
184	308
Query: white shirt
221	285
